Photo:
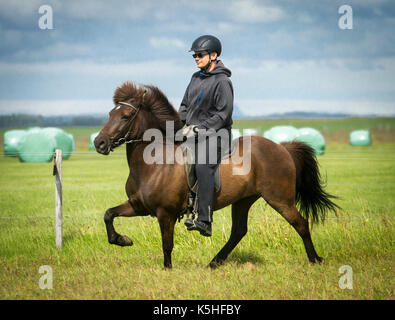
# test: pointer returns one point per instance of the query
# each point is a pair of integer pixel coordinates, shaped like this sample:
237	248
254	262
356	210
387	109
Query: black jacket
208	99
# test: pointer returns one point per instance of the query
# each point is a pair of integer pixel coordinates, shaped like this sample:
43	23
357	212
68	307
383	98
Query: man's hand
190	131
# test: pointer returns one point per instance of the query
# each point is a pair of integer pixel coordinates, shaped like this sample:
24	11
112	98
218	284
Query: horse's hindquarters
237	174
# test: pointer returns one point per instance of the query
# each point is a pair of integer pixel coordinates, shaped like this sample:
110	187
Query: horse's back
255	164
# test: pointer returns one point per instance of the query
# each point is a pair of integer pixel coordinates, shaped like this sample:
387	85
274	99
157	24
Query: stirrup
192	206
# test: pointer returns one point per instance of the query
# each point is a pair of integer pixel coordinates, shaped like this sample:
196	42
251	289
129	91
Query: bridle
115	143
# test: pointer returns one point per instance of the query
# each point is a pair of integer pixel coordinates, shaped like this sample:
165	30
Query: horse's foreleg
166	222
239	229
125	210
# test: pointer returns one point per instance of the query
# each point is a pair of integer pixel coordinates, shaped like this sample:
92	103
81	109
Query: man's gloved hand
190	131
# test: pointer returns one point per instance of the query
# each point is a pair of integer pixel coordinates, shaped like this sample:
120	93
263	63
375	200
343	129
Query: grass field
269	263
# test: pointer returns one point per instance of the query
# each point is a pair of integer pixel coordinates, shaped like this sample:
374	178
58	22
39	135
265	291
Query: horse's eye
125	118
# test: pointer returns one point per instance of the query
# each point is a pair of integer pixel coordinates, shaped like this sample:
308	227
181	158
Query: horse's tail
310	195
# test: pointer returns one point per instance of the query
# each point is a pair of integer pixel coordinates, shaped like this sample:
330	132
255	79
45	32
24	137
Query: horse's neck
134	154
130	153
135	151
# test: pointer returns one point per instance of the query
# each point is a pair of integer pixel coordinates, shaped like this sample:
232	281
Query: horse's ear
143	99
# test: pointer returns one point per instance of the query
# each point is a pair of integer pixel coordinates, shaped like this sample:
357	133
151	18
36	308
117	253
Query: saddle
190	173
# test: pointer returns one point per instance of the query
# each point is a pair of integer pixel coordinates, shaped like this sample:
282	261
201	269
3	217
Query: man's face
202	58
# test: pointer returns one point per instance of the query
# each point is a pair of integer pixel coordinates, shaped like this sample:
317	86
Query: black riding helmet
207	43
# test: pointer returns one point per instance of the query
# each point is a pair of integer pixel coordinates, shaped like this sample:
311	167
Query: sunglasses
199	55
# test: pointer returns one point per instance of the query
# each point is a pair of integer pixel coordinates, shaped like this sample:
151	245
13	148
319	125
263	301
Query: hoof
125	241
122	241
215	264
316	259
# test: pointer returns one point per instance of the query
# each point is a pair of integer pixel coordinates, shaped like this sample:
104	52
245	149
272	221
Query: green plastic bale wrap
63	140
33	129
92	139
12	138
250	132
313	138
280	134
360	138
72	141
236	134
36	146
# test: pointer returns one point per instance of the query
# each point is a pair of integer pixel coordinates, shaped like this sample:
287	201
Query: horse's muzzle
102	144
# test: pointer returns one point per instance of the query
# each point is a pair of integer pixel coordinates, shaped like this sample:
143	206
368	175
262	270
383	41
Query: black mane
152	98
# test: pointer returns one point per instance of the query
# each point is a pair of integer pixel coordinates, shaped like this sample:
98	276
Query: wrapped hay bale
36	146
92	139
313	138
63	140
280	134
12	139
72	141
360	138
236	134
33	129
39	144
250	132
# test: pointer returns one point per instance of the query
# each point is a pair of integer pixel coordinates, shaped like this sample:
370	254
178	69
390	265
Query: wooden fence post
57	172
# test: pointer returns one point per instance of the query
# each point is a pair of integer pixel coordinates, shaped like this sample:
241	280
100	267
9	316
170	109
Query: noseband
115	143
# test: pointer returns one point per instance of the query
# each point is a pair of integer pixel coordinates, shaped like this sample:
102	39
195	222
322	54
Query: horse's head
136	109
121	126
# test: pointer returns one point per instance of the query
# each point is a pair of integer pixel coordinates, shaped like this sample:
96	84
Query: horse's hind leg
126	210
239	229
301	225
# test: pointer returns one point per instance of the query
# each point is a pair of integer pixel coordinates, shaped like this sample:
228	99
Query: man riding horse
285	175
206	108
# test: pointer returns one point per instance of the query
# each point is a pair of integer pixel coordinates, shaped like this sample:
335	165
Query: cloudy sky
284	55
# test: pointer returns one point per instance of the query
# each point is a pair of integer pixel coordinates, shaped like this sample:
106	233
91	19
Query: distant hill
300	115
238	114
309	115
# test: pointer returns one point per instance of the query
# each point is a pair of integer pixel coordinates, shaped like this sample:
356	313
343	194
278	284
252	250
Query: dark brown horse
284	175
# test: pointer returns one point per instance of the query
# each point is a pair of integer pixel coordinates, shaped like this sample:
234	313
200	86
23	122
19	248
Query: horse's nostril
102	145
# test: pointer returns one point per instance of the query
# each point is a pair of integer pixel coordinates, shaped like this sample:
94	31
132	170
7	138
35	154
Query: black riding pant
209	151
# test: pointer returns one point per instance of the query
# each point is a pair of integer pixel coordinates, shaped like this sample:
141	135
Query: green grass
269	263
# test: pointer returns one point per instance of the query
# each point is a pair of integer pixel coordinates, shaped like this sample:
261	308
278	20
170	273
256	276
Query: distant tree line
27	120
20	120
